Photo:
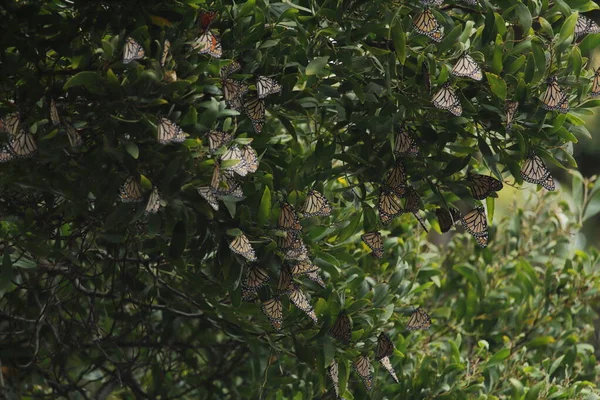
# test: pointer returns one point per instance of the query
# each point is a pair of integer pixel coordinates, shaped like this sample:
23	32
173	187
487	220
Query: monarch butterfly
341	329
230	69
74	137
418	320
131	191
447	218
363	368
208	43
432	2
585	25
396	179
132	50
413	204
294	248
385	347
387	364
217	139
303	268
315	204
375	243
467	67
534	171
426	24
228	185
250	157
298	298
255	109
273	310
446	99
596	84
11	123
266	86
153	202
483	186
232	93
553	98
22	145
475	222
248	295
169	132
165	52
208	194
511	109
255	278
471	2
234	153
288	220
207	18
405	144
316	278
54	116
388	205
241	245
426	76
285	279
334	374
5	154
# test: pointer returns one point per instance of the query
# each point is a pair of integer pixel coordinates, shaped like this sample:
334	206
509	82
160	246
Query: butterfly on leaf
315	204
363	368
266	86
553	98
302	268
388	205
241	245
165	52
229	185
475	222
426	76
535	171
234	153
426	24
233	91
216	139
511	110
405	144
169	132
11	123
341	329
374	241
273	310
255	109
334	374
22	145
208	193
483	186
316	278
131	191
467	67
230	69
447	219
132	50
54	115
255	278
596	84
299	299
250	157
288	219
418	320
208	43
585	25
153	204
446	99
385	349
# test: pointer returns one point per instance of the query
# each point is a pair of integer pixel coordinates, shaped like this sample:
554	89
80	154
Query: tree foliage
104	298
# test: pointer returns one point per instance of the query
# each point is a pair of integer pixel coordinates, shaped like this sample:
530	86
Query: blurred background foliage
102	301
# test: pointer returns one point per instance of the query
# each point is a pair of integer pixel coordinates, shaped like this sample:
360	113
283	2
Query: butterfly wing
250	157
596	84
266	86
334	374
255	109
374	242
446	99
553	98
131	191
255	278
241	245
405	144
388	205
341	329
132	51
511	110
447	218
363	368
208	194
303	268
316	204
288	219
153	204
387	364
75	139
208	43
316	278
467	67
232	154
54	116
233	91
475	222
273	310
419	319
230	69
483	186
11	123
534	171
385	347
165	52
426	24
285	279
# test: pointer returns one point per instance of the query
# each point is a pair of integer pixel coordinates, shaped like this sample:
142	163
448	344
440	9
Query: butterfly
288	220
534	171
315	204
553	98
426	24
596	84
230	69
54	116
228	185
483	186
75	139
405	144
241	245
418	320
296	250
511	109
388	205
467	67
446	99
255	278
266	86
233	91
208	43
165	52
334	374
475	222
169	132
153	202
396	179
363	368
235	153
375	243
11	123
341	329
5	154
132	50
273	310
208	194
131	191
206	19
447	218
303	267
285	279
22	145
471	2
216	139
426	76
585	25
432	2
387	364
385	348
250	157
413	204
299	299
255	109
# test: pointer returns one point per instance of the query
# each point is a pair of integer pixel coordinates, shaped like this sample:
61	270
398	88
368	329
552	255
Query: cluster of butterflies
132	192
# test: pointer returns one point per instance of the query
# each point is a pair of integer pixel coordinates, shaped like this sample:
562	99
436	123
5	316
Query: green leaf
567	28
556	364
264	210
533	393
490	203
132	149
497	85
89	80
589	43
524	16
498	357
399	40
7	271
317	66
